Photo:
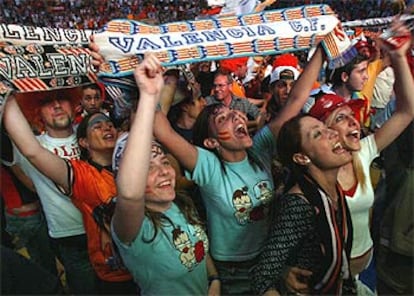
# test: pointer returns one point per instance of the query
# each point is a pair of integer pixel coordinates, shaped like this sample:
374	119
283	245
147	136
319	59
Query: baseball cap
284	72
323	106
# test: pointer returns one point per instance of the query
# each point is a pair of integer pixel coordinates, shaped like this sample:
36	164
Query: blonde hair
359	171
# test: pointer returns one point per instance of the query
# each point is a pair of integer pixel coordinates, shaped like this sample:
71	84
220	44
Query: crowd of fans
267	222
93	14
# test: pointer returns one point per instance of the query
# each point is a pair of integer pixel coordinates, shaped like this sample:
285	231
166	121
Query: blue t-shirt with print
237	199
174	262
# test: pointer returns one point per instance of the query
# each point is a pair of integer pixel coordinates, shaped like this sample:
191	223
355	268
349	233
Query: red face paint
148	191
224	136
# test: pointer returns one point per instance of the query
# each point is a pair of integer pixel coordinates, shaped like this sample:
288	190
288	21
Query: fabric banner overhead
123	42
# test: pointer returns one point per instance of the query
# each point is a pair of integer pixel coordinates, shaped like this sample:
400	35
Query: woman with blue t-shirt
157	232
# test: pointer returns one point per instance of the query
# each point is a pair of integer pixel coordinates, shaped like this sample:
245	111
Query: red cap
286	59
362	43
232	64
326	104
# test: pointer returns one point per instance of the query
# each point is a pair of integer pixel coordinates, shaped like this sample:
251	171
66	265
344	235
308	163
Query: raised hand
396	38
148	75
97	58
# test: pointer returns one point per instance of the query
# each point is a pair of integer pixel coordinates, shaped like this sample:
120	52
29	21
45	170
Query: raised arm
133	171
300	91
404	92
168	91
21	134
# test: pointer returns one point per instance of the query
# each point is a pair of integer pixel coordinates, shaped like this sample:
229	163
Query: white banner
123	42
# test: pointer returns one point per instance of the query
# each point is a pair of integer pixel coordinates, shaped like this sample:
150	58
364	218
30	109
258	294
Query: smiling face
101	133
222	88
230	129
161	179
342	119
322	144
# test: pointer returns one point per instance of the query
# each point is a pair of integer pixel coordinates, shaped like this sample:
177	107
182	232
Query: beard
60	123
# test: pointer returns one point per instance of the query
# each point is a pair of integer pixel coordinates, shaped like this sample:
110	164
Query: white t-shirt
383	88
361	202
63	218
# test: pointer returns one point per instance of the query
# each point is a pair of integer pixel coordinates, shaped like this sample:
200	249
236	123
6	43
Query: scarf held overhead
123	42
43	59
37	59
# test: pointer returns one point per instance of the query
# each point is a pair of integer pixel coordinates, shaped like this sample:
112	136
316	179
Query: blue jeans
72	252
369	276
31	232
234	277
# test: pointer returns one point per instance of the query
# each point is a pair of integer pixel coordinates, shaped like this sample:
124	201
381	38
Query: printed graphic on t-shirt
190	254
67	151
243	205
245	211
264	192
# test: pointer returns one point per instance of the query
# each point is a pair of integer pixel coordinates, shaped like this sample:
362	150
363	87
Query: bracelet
213	278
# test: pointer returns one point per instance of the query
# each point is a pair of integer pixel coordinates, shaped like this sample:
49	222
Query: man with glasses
222	93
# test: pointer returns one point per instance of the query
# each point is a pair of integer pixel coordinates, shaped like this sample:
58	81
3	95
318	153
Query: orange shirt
92	193
238	90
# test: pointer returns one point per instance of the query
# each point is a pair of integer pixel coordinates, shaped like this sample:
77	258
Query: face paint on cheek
148	190
224	136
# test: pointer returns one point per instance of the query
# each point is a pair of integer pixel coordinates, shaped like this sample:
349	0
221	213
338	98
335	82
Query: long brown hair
289	142
185	203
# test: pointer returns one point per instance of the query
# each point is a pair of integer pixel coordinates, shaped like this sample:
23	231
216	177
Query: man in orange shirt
237	67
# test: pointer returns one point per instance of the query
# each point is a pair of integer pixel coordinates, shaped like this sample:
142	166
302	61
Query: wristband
213	278
158	108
